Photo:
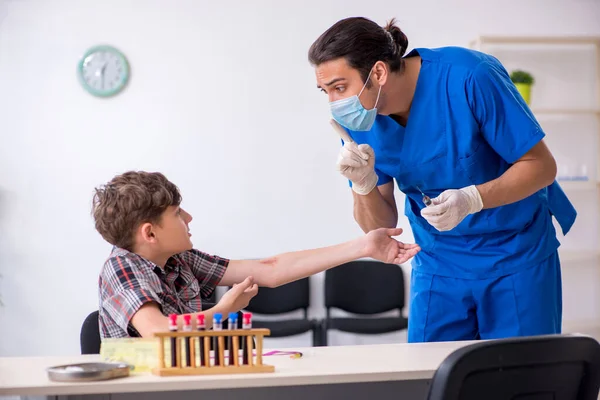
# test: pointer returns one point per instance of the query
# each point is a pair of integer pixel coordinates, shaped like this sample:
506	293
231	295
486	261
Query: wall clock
103	71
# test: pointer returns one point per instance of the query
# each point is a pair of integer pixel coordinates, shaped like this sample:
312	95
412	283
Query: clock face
103	71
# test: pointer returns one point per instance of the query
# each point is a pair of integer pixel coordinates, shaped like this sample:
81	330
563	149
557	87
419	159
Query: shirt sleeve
382	178
208	269
504	118
125	288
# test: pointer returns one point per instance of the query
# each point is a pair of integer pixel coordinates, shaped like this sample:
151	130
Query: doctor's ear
381	72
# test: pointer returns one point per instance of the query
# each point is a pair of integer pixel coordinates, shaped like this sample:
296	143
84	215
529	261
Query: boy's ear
147	232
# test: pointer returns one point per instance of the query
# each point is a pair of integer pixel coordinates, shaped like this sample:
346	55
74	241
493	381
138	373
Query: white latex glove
357	163
451	207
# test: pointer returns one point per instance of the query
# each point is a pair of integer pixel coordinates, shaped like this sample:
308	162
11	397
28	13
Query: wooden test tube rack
254	365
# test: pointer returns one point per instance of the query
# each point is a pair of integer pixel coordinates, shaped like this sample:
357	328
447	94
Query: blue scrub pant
525	303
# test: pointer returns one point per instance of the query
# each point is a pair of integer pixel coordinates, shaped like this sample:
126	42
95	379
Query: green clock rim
104	93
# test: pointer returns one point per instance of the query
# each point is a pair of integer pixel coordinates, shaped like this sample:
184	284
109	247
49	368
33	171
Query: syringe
426	199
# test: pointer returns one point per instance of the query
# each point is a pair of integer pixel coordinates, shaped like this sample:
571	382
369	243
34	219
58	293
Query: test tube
246	324
217	326
187	327
201	326
230	339
173	328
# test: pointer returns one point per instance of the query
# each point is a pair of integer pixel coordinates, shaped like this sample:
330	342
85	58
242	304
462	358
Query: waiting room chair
89	337
557	367
287	298
362	288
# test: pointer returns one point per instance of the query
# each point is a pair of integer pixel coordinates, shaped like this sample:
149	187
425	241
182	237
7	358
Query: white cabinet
565	99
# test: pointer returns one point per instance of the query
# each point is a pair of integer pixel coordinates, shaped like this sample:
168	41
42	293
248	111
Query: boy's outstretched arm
288	267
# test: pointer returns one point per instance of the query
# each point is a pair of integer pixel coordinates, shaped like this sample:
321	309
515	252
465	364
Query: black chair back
365	287
89	337
557	367
290	297
283	299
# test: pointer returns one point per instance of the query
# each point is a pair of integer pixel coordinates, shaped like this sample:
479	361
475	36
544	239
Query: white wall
222	100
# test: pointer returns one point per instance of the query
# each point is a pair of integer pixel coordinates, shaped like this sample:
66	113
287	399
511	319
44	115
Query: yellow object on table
140	354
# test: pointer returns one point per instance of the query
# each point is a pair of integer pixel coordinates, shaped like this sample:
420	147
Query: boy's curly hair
129	200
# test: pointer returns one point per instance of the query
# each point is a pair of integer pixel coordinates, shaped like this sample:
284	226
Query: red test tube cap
247	317
187	319
172	322
200	319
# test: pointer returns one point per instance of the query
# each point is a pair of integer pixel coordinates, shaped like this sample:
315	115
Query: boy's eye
339	89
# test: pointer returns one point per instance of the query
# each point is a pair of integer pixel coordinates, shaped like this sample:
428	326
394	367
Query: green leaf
519	76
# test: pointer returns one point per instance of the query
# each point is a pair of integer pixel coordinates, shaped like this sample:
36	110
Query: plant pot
525	91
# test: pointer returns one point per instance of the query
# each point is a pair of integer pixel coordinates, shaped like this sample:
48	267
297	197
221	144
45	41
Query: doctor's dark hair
362	43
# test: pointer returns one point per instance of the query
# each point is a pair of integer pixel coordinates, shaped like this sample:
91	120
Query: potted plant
523	81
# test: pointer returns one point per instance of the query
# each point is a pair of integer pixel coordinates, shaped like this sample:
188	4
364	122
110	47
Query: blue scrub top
467	125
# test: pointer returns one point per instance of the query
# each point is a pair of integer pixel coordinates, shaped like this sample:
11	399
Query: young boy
153	270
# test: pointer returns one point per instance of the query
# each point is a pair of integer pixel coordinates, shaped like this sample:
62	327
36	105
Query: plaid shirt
128	281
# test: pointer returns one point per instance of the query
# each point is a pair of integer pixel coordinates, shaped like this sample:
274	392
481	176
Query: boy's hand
380	245
239	295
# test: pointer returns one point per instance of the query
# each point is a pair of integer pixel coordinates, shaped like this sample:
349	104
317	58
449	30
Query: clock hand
102	72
